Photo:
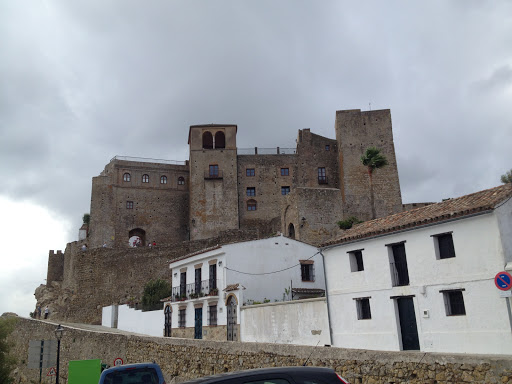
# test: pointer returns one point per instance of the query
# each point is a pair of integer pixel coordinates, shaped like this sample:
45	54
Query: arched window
251	205
163	179
127	177
145	178
220	140
291	231
181	180
207	140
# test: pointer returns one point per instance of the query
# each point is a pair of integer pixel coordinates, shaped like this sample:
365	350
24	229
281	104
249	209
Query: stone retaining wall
182	359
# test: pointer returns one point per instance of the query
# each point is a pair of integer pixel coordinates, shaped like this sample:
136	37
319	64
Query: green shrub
348	222
154	291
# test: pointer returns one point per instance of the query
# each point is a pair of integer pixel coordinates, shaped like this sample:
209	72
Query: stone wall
182	359
103	276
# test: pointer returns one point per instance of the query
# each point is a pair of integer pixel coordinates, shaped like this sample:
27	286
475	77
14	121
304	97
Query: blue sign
503	281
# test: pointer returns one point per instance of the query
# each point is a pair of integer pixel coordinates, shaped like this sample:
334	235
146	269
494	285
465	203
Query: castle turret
213	180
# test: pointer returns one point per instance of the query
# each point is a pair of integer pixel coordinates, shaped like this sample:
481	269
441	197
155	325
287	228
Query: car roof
261	371
132	366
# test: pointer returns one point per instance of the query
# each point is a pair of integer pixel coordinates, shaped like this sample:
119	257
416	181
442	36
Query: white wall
132	320
302	322
479	256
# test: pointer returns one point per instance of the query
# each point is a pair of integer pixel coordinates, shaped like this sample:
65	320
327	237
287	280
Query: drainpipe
327	298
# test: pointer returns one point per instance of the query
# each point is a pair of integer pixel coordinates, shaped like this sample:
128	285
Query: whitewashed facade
449	300
249	272
133	320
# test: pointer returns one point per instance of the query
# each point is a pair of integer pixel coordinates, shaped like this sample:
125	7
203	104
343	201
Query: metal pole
58	357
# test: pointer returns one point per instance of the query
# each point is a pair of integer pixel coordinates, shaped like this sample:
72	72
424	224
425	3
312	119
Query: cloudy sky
83	81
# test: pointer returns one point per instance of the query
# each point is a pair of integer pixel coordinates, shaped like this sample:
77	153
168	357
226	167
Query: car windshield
132	376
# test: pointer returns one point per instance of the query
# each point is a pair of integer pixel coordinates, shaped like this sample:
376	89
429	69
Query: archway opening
291	231
220	140
137	237
207	140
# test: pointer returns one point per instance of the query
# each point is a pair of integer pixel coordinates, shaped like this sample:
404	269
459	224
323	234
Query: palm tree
372	160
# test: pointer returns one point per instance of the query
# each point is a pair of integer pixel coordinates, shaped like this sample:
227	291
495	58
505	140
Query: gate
167	326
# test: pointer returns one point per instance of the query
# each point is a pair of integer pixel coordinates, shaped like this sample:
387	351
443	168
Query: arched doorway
231	318
137	237
291	231
167	324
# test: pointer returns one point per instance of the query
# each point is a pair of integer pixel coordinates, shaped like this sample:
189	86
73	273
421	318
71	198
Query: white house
210	286
425	279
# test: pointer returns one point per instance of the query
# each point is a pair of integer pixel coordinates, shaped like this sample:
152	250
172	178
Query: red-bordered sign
118	361
52	372
503	281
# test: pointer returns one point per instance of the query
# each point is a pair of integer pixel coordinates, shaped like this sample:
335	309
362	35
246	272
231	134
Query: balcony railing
322	180
213	174
266	151
194	291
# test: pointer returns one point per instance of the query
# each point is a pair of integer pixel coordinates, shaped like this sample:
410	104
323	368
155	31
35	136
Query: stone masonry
183	359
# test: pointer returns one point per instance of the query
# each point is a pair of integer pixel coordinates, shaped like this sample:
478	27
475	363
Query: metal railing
266	151
213	175
195	290
148	160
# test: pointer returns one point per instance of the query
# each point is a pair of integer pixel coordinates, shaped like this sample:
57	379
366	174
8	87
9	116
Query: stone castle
221	194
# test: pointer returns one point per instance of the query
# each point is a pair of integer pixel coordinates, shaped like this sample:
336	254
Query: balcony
322	180
195	290
213	175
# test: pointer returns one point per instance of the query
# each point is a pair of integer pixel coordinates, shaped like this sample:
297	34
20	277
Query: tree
372	160
86	218
7	362
154	291
507	177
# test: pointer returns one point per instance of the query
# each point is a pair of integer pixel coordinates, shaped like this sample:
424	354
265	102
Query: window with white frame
181	317
363	308
212	314
356	260
444	248
307	270
454	302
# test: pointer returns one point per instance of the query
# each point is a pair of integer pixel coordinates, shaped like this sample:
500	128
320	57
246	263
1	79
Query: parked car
140	373
287	375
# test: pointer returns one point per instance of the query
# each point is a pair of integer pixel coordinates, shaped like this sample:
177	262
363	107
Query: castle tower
355	132
213	180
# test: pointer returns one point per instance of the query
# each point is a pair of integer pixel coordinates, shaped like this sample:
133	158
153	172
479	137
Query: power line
269	273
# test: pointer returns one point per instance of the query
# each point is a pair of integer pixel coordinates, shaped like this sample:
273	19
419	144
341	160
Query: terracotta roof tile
449	209
231	287
308	290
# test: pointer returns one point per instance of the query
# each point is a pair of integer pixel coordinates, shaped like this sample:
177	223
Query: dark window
181	180
129	205
207	140
307	272
183	285
249	172
291	231
251	191
163	179
454	303
181	318
145	178
363	309
220	140
285	190
197	281
285	171
399	270
251	205
212	315
445	246
327	147
214	170
127	177
213	278
322	176
356	261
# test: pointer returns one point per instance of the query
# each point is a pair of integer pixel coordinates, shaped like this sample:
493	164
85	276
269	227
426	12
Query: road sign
42	353
118	361
52	372
503	281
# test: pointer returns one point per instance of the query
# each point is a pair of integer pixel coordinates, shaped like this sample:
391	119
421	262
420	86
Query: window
454	302
163	179
307	270
214	170
327	147
251	191
251	205
207	140
398	264
212	314
249	172
127	177
212	280
285	171
356	260
322	177
220	140
363	308
129	205
145	178
183	285
444	246
181	318
181	180
285	190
